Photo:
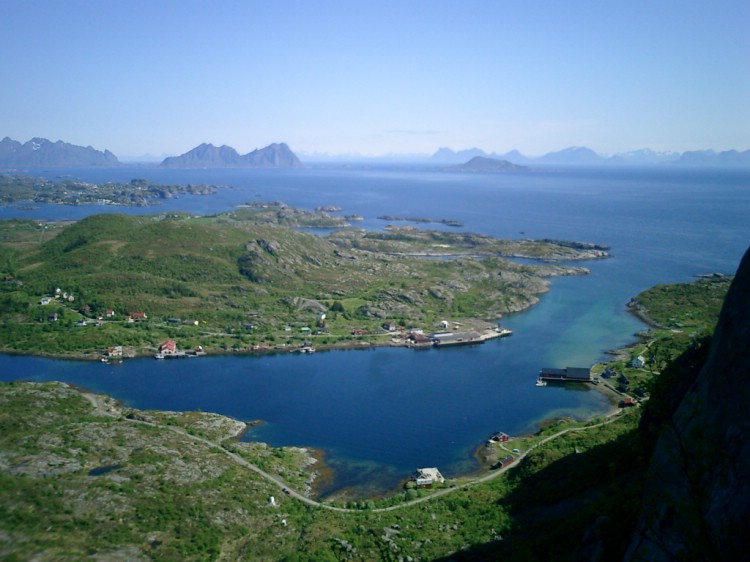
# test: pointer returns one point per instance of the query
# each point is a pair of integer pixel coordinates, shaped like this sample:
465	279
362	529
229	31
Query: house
138	316
45	300
499	437
388	327
115	351
109	313
168	347
443	325
638	362
53	317
427	476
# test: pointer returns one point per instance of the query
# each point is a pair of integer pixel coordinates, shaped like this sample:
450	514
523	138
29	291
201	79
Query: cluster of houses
60	295
109	314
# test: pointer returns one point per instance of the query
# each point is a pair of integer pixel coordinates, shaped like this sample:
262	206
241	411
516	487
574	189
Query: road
105	407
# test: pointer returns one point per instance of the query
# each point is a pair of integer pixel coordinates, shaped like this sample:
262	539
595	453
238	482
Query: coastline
320	472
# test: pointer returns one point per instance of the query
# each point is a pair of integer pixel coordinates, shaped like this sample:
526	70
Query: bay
378	414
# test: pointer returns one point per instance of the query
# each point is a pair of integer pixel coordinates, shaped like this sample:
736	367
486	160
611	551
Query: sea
378	414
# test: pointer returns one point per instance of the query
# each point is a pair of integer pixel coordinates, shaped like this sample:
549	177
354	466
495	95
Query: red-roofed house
168	347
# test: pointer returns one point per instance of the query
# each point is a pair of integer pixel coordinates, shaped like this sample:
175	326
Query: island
22	190
251	280
206	155
426	220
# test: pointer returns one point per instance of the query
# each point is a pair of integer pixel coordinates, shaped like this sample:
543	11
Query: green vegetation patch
684	305
244	280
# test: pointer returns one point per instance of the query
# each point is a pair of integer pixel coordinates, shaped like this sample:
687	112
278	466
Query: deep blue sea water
381	413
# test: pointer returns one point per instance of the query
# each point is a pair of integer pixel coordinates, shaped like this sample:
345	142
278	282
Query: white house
638	362
428	476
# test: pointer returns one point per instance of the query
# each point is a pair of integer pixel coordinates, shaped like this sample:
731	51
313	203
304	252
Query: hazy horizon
378	79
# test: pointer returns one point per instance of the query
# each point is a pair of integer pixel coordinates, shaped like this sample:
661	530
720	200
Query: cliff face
696	503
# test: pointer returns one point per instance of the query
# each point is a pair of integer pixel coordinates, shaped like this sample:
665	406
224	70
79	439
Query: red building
168	347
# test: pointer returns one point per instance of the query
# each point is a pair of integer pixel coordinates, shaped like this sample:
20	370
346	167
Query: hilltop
206	155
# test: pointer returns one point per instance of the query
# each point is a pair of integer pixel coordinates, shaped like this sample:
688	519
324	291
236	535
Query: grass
241	276
175	498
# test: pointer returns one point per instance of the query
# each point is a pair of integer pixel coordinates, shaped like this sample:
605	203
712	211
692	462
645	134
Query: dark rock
696	502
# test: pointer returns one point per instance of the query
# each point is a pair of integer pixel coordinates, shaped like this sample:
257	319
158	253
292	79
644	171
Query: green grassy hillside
85	478
247	279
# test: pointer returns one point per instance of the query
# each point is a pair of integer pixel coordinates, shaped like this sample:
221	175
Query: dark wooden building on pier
568	374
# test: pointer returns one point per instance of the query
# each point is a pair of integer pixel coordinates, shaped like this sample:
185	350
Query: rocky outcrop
696	502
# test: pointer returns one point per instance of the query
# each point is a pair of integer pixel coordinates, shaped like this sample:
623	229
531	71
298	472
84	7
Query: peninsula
249	280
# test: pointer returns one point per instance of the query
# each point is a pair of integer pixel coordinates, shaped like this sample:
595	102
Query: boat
540	382
159	356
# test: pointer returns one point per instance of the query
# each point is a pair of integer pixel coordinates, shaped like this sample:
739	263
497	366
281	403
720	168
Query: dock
445	339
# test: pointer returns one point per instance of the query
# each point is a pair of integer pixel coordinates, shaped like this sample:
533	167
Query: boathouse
568	374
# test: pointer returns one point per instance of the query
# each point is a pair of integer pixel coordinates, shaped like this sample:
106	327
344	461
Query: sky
377	77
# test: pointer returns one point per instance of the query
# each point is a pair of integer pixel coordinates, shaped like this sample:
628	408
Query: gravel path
104	406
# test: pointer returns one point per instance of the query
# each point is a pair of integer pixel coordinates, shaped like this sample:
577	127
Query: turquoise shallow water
378	414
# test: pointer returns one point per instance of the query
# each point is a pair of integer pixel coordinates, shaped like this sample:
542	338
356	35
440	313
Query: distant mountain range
277	155
41	153
580	156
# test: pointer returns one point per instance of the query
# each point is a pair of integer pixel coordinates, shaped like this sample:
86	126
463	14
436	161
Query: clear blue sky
377	77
